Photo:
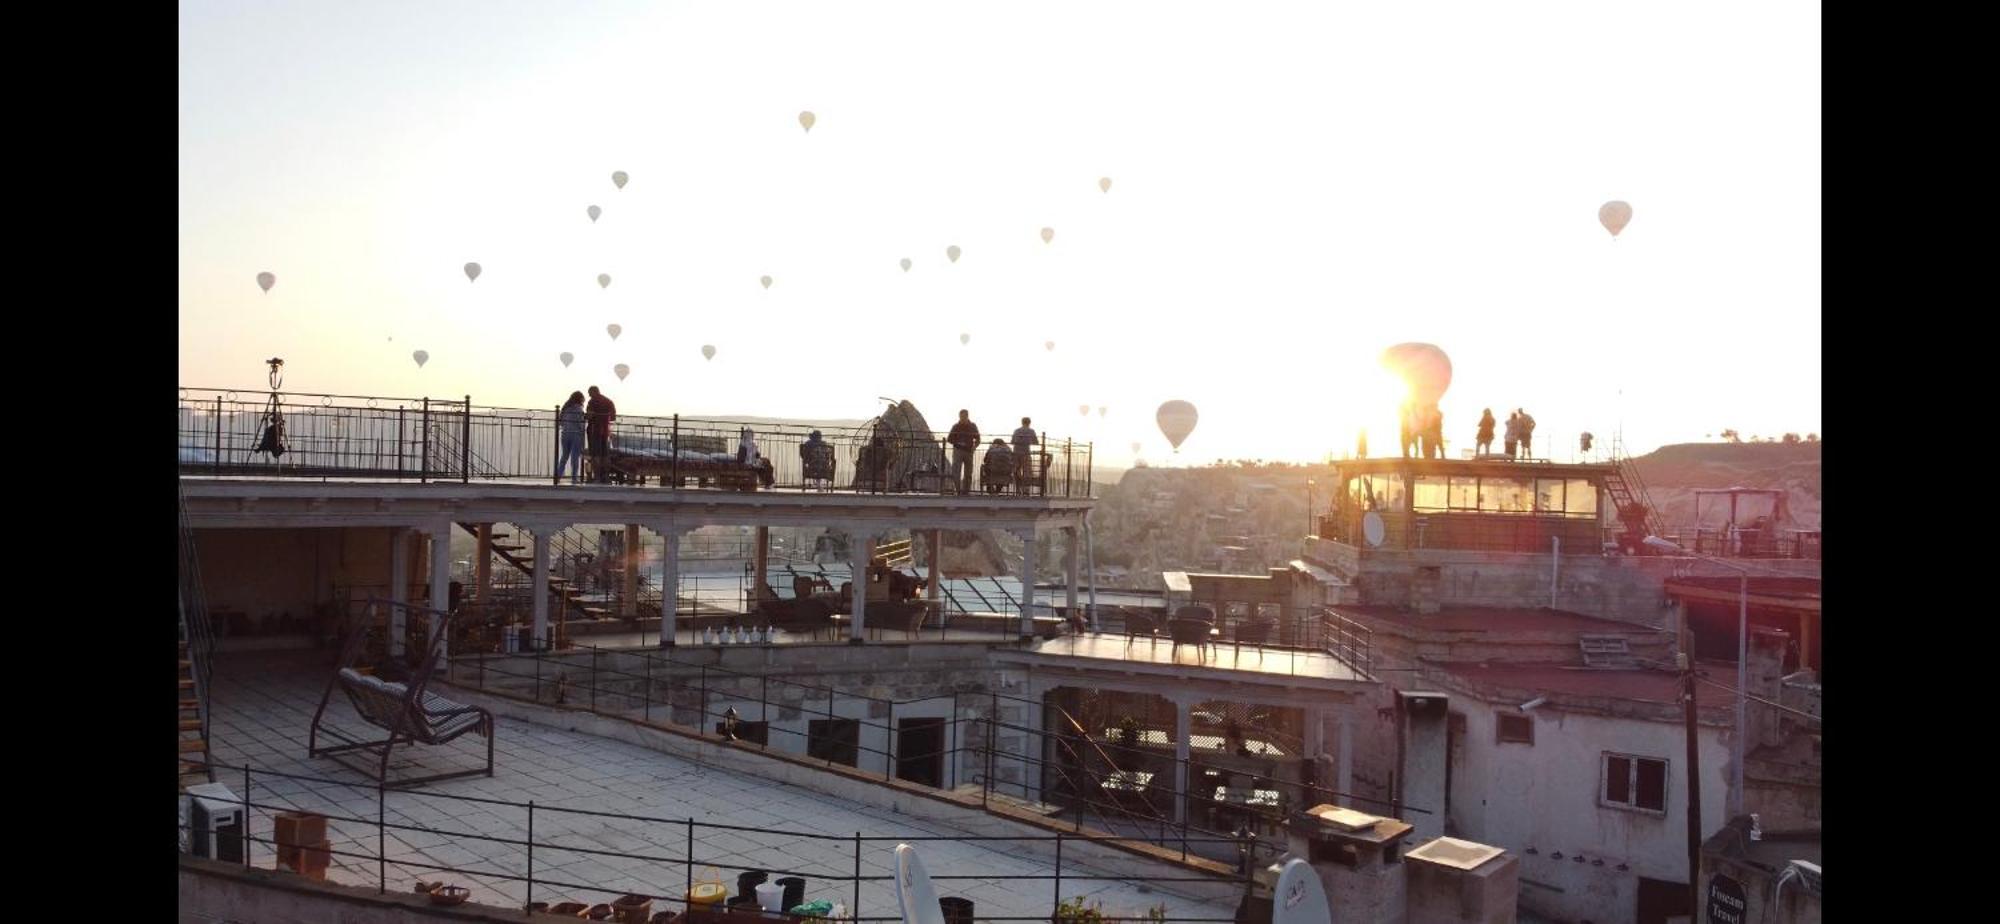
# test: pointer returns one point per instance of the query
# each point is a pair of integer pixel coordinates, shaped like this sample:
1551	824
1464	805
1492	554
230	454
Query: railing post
690	856
676	444
555	452
538	672
701	721
424	465
218	434
1059	843
1089	469
593	677
465	445
649	688
246	816
1069	467
889	763
855	912
400	451
381	838
531	851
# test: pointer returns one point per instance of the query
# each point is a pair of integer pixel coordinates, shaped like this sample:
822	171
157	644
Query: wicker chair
1140	625
1192	625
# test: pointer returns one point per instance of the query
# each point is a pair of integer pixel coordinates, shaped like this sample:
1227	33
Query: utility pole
1693	776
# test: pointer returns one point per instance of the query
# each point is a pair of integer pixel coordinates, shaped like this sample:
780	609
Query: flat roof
1489	619
1526	468
1652	686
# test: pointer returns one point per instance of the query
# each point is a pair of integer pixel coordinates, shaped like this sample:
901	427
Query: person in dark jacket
1484	440
964	441
598	415
1025	463
569	422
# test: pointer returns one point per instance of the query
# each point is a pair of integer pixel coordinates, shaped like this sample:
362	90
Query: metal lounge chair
409	712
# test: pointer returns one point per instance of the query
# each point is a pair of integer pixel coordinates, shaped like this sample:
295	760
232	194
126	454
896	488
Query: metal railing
349	833
425	439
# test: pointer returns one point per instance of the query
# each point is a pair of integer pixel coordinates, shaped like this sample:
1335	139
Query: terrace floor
264	704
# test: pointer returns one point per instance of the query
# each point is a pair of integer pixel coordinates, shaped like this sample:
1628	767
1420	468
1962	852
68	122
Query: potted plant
1074	911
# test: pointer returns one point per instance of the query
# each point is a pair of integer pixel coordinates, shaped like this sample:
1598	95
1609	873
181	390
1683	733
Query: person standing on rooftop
598	415
964	441
1484	439
1513	435
1527	434
1025	463
570	422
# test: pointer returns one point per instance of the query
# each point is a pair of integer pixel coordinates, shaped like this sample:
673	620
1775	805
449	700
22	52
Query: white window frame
1632	782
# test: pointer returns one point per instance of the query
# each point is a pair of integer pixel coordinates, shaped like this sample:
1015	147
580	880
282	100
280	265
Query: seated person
998	467
747	454
816	454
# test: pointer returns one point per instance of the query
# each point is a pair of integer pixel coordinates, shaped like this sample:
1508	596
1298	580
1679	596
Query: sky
1295	187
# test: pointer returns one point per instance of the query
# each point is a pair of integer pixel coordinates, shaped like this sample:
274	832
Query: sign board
1726	904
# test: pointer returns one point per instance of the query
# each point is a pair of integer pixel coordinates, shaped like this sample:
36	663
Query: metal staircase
197	650
1628	492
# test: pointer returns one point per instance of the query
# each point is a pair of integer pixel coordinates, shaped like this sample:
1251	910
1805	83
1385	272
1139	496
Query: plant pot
536	907
597	912
666	917
633	909
450	895
795	891
747	883
567	909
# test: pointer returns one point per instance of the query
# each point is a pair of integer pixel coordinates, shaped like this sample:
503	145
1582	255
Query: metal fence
224	432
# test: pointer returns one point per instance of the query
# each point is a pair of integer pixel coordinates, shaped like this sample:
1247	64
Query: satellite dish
914	894
1373	530
1298	898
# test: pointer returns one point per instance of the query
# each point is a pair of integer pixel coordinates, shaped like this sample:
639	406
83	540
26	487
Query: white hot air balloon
766	280
614	330
618	178
566	358
708	351
1613	215
622	371
1176	420
472	272
1049	345
1104	185
906	264
964	339
1048	235
594	212
265	281
952	252
807	119
1101	411
1423	367
421	357
1083	410
604	280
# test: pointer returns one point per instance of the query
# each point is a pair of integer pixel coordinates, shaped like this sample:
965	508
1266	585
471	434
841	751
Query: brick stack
302	844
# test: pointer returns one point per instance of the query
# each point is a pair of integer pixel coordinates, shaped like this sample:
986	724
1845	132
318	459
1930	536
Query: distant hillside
1672	473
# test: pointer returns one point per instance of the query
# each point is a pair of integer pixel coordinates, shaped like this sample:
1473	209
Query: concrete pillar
440	580
1183	727
399	587
629	608
1343	773
1071	538
670	581
1029	551
483	565
540	588
860	551
1315	754
761	564
933	581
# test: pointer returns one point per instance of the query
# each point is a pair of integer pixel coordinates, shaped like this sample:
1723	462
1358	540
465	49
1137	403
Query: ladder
1628	490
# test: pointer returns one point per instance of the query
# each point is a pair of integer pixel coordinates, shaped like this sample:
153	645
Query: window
1549	496
1514	729
1505	495
1429	493
1635	782
1464	493
834	740
1582	498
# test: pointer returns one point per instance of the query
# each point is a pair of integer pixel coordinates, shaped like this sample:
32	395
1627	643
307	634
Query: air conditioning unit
213	819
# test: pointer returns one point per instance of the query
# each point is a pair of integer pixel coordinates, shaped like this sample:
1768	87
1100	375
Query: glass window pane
1464	493
1582	500
1504	495
1653	785
1388	491
1429	493
1617	779
1549	495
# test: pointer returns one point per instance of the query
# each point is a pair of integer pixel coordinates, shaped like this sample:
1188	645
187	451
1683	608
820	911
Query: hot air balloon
566	359
708	351
604	280
1613	215
1423	367
421	357
622	371
1049	345
1083	409
952	252
594	212
1101	411
265	281
1048	235
1104	185
766	280
964	339
472	272
618	178
806	119
1176	419
1135	449
614	330
906	264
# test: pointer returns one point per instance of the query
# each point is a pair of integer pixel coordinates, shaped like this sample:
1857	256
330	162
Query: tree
1731	436
1812	437
1791	439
